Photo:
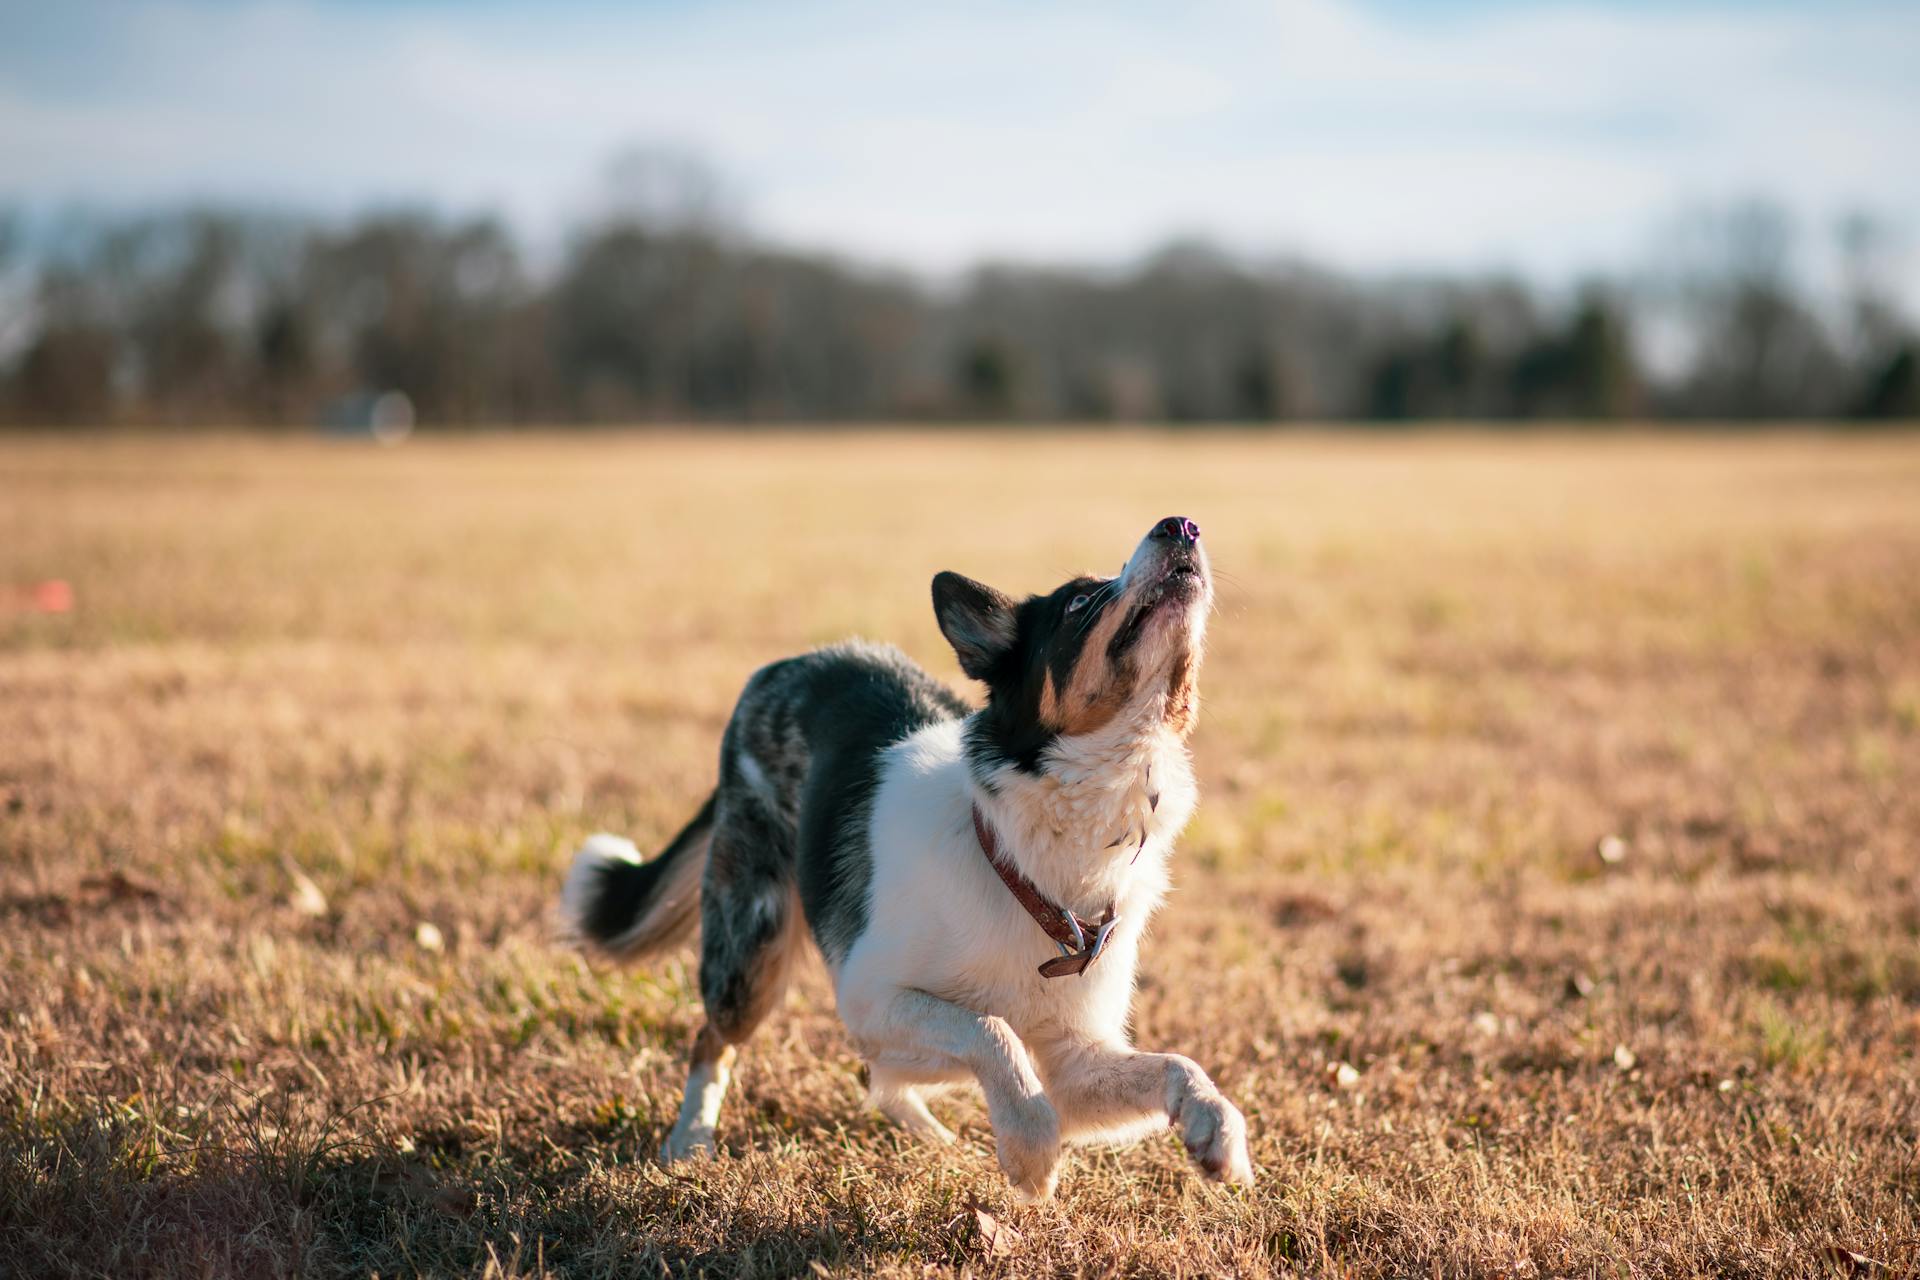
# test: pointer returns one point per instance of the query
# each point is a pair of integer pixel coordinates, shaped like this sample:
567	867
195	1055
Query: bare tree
662	308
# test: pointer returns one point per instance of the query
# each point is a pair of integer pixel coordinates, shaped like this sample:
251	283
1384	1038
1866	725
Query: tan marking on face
1096	689
1049	700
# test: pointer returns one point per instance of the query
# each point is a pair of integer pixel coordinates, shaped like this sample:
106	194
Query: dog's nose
1178	529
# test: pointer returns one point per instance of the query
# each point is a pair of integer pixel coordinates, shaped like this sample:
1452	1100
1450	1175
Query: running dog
977	880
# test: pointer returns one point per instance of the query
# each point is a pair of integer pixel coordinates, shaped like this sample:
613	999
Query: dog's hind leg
708	1076
898	1098
750	929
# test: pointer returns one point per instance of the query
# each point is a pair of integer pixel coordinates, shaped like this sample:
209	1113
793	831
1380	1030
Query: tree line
222	317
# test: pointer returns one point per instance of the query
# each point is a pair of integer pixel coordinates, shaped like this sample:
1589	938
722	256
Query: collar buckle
1068	931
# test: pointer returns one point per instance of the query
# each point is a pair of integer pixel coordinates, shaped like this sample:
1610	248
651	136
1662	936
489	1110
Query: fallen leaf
117	886
419	1184
1858	1264
1302	908
455	1202
996	1237
306	897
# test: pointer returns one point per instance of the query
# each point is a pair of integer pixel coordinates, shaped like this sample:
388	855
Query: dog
977	881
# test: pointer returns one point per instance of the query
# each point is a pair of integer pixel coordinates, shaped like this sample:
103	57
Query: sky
1552	139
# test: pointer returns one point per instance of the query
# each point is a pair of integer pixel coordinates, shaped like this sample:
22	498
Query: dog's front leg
912	1032
1113	1091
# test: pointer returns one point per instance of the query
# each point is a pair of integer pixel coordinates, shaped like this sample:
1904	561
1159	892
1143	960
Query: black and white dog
977	881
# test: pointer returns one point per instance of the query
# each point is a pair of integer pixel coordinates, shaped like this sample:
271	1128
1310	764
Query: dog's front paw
1215	1134
1028	1141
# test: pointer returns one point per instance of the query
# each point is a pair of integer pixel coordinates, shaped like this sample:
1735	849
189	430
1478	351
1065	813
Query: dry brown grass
1445	668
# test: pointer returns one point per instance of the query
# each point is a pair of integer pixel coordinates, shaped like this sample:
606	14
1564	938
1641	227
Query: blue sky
1393	135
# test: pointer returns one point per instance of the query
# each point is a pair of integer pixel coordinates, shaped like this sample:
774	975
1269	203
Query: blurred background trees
659	307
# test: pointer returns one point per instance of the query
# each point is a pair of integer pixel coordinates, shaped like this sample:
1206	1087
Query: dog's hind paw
902	1104
687	1142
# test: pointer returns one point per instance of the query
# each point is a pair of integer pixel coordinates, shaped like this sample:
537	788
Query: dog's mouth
1171	592
1180	580
1182	575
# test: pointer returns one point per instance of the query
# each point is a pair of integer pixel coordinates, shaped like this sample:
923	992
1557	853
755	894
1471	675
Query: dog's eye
1077	603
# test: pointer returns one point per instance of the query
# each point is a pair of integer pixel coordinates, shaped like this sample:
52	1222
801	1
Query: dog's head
1067	663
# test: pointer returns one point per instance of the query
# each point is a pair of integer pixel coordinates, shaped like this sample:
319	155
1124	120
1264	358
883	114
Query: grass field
285	800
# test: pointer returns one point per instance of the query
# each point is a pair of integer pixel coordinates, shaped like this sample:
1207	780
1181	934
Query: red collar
1081	940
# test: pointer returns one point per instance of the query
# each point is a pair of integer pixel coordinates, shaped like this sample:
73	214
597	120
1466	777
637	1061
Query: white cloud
1546	138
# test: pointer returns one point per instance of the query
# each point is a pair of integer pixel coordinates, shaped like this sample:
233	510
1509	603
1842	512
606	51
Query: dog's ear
976	620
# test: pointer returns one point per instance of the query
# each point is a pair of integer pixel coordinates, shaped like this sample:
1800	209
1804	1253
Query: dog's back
799	764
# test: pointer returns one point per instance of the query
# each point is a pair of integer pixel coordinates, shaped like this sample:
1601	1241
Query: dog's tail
632	908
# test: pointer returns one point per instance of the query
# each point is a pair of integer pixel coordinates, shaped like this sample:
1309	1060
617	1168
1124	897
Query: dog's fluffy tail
632	908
